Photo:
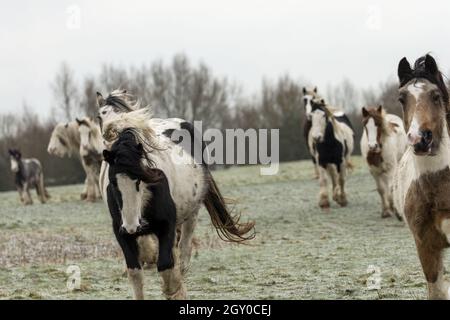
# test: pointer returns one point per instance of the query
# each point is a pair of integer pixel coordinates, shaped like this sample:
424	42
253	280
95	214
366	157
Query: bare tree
88	101
65	93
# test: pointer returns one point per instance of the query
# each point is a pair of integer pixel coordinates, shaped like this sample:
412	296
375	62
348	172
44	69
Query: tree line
184	90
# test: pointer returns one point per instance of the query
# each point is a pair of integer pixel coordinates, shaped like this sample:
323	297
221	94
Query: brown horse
422	181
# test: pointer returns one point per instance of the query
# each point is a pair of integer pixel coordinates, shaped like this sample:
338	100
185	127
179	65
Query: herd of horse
154	189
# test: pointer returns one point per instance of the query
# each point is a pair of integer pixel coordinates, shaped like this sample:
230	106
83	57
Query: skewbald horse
422	180
383	143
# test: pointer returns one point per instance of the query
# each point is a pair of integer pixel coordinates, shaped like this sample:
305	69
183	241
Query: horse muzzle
422	142
130	229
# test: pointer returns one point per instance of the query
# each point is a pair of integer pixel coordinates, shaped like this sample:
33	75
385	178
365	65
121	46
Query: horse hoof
324	204
83	196
386	214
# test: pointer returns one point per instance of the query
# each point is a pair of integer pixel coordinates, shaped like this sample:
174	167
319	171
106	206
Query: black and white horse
308	96
28	174
332	141
153	188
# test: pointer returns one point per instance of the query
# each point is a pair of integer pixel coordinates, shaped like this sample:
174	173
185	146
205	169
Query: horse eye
103	112
436	97
401	100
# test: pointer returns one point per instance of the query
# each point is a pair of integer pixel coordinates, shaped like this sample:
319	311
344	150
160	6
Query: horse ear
304	90
404	71
380	108
315	89
364	111
108	156
100	101
431	65
78	121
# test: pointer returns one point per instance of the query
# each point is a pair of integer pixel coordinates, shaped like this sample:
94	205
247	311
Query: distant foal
28	174
383	143
422	183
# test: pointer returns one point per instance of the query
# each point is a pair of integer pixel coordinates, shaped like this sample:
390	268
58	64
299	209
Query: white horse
153	187
383	143
332	142
65	141
422	181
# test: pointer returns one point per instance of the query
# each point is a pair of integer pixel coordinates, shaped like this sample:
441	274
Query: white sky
244	40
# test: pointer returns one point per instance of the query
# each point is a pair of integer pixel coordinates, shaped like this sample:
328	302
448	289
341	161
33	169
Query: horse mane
122	101
135	122
420	71
128	153
379	118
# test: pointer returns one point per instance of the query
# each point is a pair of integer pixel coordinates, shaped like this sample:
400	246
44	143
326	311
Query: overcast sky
244	40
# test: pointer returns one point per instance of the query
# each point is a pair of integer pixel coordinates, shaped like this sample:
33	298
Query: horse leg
21	193
169	264
332	172
173	283
430	255
130	250
187	234
342	195
40	189
26	191
83	195
324	203
91	186
382	188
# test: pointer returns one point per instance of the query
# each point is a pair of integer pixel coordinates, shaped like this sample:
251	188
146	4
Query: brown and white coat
422	181
383	143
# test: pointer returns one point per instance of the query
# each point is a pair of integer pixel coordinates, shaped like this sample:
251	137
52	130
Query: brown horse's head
373	122
424	99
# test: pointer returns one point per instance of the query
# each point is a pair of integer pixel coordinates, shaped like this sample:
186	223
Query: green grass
300	252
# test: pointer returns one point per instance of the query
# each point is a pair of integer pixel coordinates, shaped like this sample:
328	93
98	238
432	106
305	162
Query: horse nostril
427	135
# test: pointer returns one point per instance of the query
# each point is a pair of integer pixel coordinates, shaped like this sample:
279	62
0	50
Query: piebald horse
153	187
308	96
28	174
65	142
383	143
332	141
422	181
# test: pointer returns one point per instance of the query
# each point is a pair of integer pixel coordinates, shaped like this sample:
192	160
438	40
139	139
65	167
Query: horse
383	143
65	141
152	187
28	173
308	96
422	180
91	148
332	141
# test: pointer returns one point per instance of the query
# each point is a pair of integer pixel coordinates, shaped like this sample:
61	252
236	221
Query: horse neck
438	162
74	136
20	174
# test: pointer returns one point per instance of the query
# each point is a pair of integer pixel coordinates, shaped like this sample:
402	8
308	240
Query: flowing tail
227	226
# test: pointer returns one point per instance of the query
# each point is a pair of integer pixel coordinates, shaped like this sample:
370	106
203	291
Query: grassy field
300	252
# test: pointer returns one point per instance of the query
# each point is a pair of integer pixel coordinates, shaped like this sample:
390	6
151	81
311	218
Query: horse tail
227	226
